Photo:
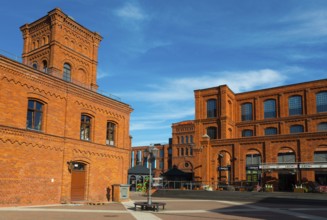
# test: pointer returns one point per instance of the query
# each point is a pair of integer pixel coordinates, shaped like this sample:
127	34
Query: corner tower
56	44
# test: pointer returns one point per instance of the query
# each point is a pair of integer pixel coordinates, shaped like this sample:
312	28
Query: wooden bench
153	206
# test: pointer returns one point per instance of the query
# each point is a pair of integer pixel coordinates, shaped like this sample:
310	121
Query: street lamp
151	153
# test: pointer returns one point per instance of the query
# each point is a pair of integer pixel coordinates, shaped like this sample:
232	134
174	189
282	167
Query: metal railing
196	185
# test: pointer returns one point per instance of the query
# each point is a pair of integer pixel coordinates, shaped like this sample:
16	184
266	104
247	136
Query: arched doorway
253	160
286	177
78	181
224	167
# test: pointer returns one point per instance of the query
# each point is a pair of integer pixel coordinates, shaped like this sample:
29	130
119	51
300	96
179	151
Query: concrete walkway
183	205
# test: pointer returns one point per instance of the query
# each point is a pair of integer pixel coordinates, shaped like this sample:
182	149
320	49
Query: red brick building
275	135
162	163
60	140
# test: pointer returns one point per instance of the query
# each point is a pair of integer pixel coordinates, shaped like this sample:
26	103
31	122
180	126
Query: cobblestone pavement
176	208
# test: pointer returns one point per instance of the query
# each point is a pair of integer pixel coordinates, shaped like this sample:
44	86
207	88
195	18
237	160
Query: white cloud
131	11
173	100
170	90
102	74
311	23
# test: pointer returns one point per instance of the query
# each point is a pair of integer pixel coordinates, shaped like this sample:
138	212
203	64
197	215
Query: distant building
161	164
275	135
60	140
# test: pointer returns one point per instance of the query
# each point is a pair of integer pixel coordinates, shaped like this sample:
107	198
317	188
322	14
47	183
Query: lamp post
151	154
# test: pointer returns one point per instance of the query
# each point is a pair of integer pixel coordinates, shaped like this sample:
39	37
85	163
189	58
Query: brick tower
76	48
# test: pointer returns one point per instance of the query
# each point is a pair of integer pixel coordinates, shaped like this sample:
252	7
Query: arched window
270	108
286	157
246	112
86	123
111	131
186	139
34	65
186	151
211	108
321	101
322	126
67	72
247	133
253	159
34	115
191	139
295	105
320	156
296	129
182	151
270	131
212	132
45	66
182	139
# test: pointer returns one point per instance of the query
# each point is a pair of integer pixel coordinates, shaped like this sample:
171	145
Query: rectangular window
85	128
211	108
321	102
111	130
34	115
270	109
295	105
162	153
270	131
246	112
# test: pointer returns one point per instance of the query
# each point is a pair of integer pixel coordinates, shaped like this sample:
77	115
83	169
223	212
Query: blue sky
156	53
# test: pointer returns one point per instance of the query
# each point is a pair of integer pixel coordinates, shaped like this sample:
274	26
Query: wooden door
78	185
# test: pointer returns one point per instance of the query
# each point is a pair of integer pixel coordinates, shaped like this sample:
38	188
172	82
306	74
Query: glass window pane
31	104
286	157
67	72
296	129
39	106
295	105
321	100
320	156
211	108
246	111
322	126
247	133
29	119
34	115
85	127
38	120
212	132
270	109
270	131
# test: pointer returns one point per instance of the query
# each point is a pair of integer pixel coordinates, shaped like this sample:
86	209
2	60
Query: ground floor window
252	175
321	177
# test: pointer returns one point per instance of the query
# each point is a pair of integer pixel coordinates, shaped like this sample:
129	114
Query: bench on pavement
153	206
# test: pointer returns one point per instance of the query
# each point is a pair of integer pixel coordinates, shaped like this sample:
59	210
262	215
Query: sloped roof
175	172
139	169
